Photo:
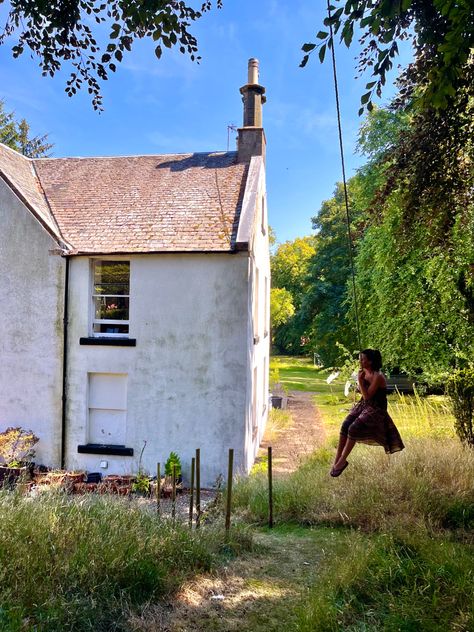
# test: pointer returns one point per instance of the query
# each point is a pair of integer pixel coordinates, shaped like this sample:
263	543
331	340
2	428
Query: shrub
460	389
173	459
16	446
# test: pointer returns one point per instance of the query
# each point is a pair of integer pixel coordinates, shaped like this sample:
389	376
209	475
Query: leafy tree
72	33
16	134
414	263
442	34
281	307
289	265
325	307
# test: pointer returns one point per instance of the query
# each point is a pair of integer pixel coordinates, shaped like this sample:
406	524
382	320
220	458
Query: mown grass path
259	591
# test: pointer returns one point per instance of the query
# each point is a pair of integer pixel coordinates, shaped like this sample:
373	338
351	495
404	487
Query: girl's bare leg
349	444
340	447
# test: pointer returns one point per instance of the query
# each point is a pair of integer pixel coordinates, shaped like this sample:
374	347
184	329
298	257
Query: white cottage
135	304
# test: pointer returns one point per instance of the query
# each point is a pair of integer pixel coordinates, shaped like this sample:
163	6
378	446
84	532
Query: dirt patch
257	592
301	437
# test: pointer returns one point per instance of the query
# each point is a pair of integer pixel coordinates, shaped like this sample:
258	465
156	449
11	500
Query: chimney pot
253	71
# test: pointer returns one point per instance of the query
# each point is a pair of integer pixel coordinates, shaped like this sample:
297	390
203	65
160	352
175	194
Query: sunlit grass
68	564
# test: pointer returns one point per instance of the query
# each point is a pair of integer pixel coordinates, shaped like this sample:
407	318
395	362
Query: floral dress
369	422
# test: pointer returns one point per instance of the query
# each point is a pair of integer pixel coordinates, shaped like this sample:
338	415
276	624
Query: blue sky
174	105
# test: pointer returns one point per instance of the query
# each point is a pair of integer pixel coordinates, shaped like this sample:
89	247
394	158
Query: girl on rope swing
368	421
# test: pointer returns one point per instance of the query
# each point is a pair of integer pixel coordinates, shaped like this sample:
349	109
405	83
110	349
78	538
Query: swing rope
346	197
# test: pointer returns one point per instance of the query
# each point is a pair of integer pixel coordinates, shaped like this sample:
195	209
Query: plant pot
276	401
9	476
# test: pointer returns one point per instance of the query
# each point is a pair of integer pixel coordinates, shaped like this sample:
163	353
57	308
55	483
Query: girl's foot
337	471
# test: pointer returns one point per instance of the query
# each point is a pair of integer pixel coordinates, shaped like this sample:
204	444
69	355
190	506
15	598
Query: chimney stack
251	140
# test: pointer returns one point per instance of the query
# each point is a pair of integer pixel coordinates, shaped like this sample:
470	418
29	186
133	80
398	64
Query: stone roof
20	175
165	203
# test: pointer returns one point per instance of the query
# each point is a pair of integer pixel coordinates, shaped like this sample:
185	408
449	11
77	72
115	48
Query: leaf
365	98
158	51
306	48
115	31
322	53
370	85
304	61
322	34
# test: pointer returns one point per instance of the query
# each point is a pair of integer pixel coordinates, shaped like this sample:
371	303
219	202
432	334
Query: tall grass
417	416
396	582
429	483
80	564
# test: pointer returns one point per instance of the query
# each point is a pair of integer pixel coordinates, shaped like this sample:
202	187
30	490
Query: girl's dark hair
375	358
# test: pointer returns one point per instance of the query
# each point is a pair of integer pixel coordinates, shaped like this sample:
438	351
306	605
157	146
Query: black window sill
97	448
256	340
109	342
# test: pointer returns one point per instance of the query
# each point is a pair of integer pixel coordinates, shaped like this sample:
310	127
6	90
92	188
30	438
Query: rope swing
346	198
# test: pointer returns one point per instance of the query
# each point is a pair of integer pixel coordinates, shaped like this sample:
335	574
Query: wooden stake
229	492
158	487
191	493
173	494
198	488
270	489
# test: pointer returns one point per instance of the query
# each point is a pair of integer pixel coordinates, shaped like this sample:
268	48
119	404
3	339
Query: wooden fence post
198	488
270	489
173	493
229	492
158	487
191	493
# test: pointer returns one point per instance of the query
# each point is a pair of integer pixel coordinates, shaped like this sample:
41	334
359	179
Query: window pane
112	277
111	307
103	328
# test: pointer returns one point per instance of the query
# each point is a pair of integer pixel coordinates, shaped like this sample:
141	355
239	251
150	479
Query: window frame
92	305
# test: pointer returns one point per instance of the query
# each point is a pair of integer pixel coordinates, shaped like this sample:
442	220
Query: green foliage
460	389
441	32
325	306
289	265
412	227
16	134
93	37
141	485
173	460
281	307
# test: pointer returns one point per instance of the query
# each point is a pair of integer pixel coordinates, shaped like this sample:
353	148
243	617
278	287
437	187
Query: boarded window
107	408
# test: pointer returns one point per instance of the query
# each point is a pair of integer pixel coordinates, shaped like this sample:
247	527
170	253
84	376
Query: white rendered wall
258	333
187	375
31	327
